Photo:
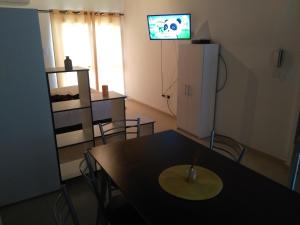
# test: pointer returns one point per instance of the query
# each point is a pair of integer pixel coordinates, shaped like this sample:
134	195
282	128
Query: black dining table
246	198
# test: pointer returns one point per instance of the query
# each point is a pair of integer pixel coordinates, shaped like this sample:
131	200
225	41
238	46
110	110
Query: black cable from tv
226	74
168	104
161	68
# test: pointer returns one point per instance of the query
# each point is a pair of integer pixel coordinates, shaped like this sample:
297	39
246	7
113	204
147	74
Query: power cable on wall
164	92
173	82
161	69
213	132
168	97
171	85
172	113
226	74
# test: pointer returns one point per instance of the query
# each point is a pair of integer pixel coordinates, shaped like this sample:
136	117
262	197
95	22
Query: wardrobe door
197	74
195	65
182	96
28	159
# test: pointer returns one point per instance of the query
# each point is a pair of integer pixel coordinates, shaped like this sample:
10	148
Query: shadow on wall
202	32
236	103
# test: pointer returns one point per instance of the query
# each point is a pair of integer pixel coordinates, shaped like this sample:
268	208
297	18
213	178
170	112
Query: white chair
120	130
227	146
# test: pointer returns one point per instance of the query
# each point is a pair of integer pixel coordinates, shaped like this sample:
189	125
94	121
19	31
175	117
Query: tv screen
169	26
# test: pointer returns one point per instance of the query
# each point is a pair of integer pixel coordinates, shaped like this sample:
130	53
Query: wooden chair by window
120	130
228	147
295	172
63	210
117	209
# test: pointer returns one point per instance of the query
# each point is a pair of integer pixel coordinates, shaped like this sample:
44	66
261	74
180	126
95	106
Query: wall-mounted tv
169	26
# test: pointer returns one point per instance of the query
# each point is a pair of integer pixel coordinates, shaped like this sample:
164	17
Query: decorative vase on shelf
68	64
192	174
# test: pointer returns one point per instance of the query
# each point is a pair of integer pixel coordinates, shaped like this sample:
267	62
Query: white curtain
91	40
109	52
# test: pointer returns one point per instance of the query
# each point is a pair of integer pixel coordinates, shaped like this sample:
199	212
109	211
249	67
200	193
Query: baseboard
151	107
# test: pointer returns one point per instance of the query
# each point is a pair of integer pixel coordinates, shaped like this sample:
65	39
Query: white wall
259	103
144	59
97	5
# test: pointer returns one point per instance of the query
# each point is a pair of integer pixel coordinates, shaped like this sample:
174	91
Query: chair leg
101	217
98	220
212	139
295	173
109	188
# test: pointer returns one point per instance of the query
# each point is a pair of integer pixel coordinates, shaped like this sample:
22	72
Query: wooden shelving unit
68	105
73	138
83	138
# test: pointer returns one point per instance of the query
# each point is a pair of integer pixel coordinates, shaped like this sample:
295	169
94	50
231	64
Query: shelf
74	112
68	105
74	137
62	70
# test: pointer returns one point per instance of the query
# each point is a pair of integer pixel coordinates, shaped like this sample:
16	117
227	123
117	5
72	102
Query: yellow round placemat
207	184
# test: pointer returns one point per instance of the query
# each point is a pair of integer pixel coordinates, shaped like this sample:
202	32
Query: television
169	26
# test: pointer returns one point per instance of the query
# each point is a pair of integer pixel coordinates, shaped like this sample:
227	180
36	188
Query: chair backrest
98	184
87	170
122	129
295	172
228	147
96	180
63	210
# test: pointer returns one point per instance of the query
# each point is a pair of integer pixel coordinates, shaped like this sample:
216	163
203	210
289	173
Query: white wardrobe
197	76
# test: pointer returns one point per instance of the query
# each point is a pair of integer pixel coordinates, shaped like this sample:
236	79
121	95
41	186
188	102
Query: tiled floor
257	161
39	211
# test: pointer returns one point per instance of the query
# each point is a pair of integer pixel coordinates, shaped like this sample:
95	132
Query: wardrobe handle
185	89
189	90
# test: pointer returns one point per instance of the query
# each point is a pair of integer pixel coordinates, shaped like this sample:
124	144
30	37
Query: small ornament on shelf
105	90
68	64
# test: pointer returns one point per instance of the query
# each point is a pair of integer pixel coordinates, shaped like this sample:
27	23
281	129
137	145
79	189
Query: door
189	88
28	160
182	97
195	71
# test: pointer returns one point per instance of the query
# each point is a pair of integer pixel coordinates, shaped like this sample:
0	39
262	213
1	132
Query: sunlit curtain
91	40
109	51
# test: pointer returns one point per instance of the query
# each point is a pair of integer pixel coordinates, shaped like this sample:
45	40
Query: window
90	40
